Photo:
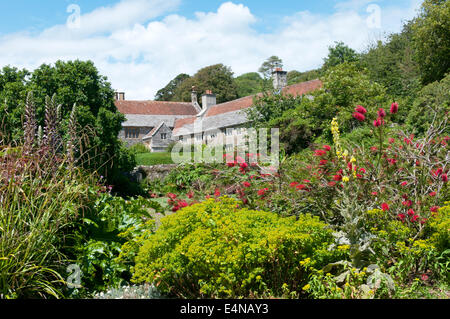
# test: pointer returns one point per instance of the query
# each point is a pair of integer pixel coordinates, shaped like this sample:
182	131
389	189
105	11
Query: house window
131	132
229	131
164	136
212	136
198	137
181	138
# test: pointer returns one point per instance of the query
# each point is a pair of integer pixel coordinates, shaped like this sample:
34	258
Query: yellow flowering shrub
216	249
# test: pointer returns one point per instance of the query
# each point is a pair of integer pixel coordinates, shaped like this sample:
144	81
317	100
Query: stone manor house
157	124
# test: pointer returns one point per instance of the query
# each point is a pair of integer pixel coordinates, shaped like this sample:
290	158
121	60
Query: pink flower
404	184
323	162
424	277
432	194
391	140
444	178
362	170
246	184
332	184
360	117
381	113
244	165
377	122
385	207
301	187
306	181
360	109
190	194
327	148
394	108
293	184
374	193
183	204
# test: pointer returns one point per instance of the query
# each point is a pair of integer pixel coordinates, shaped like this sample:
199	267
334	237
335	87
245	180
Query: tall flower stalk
29	125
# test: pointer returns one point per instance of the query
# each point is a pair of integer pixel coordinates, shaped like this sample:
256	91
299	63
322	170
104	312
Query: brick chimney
208	100
120	96
194	100
279	79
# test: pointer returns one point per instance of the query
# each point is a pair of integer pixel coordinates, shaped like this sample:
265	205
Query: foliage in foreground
217	249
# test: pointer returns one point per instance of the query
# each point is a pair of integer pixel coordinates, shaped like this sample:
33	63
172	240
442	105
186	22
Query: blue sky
140	45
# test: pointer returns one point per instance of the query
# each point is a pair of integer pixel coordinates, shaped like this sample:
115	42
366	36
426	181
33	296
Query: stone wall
151	172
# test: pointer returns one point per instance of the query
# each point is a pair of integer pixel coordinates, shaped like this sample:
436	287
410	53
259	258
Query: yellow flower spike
345	179
306	287
353	159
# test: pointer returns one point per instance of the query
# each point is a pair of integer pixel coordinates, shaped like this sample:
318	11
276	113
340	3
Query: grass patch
149	159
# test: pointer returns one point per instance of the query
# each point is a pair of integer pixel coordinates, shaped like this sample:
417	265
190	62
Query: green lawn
149	159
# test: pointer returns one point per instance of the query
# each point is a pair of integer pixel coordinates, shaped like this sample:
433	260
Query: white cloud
140	57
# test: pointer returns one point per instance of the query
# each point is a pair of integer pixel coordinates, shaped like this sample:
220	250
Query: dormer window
164	136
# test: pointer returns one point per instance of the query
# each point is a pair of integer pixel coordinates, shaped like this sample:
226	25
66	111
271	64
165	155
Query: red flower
262	192
394	108
247	184
424	221
391	140
424	277
171	196
381	113
293	184
362	170
323	162
444	178
217	193
306	181
360	109
360	117
301	187
411	212
327	148
240	160
183	204
434	209
404	183
190	194
337	178
407	203
385	207
332	184
320	153
414	218
432	194
374	193
407	141
244	165
401	217
231	164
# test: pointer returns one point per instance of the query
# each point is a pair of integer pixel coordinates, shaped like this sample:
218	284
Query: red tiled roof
303	88
179	123
246	102
155	108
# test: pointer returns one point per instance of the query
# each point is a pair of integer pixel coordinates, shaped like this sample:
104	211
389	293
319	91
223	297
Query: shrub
139	148
215	249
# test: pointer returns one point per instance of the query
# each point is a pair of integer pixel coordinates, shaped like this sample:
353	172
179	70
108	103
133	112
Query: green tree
73	82
218	78
12	99
340	53
392	64
432	40
168	92
269	66
294	76
248	84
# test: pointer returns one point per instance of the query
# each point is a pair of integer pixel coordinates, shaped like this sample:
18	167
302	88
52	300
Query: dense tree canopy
73	82
248	84
269	66
340	53
432	40
168	92
218	78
